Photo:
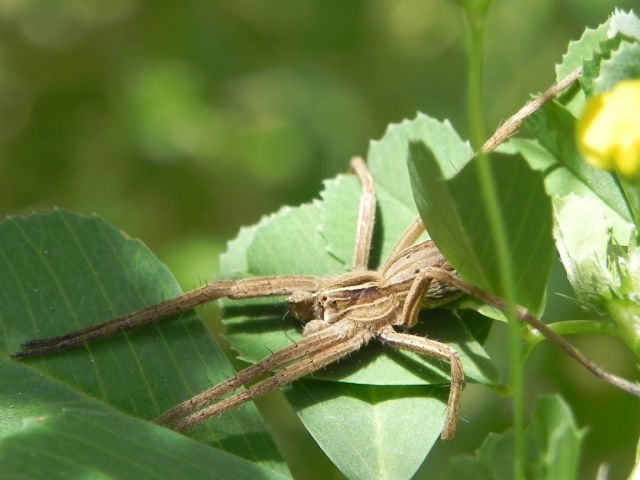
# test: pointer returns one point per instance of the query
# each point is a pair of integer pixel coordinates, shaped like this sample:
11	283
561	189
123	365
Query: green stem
503	260
474	80
507	291
625	313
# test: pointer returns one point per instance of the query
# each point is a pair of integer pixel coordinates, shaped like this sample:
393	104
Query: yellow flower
609	129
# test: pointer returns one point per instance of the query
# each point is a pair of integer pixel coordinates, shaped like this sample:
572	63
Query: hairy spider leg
527	317
433	349
288	374
366	215
235	289
308	346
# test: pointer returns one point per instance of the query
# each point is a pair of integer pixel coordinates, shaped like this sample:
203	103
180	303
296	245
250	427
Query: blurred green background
179	122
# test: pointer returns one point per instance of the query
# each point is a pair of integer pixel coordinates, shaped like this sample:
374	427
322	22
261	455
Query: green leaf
579	52
339	218
389	419
56	431
61	271
591	68
450	204
318	239
623	64
558	180
387	162
493	460
621	31
467	467
558	438
553	448
594	47
554	127
28	393
625	23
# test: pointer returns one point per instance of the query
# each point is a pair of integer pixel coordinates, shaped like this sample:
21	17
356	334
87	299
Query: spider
342	315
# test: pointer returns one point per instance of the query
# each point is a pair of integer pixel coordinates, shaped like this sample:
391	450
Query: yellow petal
609	130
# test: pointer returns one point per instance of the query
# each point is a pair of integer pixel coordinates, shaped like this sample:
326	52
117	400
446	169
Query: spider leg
413	302
288	374
527	317
366	215
418	290
307	346
235	289
408	238
433	349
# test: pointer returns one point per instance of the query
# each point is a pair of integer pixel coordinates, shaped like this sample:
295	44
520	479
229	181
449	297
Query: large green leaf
391	418
40	397
318	239
55	431
451	204
61	271
636	469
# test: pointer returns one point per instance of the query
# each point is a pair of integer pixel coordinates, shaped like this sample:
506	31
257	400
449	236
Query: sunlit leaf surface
61	271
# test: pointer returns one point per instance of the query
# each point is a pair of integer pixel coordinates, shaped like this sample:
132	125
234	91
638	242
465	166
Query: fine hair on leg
235	289
307	346
288	374
441	351
366	215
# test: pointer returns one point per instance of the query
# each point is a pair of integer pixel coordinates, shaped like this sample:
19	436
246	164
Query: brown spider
343	314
